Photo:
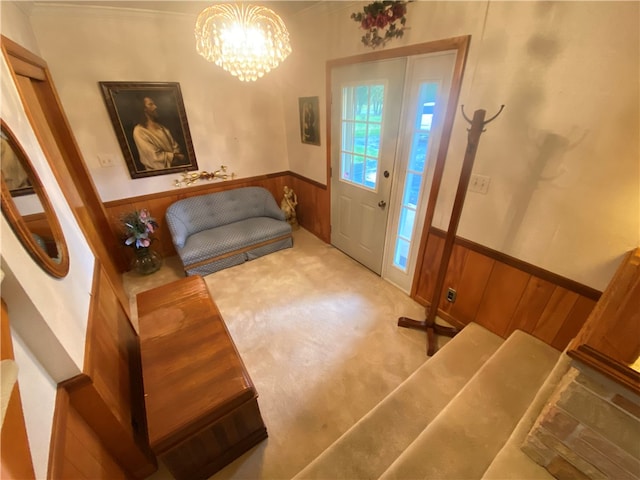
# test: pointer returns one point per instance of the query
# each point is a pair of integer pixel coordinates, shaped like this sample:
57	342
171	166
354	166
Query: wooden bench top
192	372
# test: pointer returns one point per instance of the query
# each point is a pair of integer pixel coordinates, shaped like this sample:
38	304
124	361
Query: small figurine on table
288	206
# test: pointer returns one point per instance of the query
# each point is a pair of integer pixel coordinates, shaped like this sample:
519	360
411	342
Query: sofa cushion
228	238
200	213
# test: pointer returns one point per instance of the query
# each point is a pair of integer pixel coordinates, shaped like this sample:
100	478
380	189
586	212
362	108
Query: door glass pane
362	109
418	152
414	176
407	219
401	254
346	164
412	186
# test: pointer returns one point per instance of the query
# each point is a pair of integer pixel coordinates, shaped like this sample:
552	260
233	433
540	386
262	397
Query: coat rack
429	324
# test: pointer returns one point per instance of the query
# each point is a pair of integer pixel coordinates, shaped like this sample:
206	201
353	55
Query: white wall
563	157
48	316
231	123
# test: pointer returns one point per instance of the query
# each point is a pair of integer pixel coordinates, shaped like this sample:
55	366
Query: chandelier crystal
247	41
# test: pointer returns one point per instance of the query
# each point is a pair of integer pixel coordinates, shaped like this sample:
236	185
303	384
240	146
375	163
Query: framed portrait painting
13	172
151	125
309	120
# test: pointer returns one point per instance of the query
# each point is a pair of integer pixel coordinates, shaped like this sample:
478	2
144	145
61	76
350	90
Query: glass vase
146	261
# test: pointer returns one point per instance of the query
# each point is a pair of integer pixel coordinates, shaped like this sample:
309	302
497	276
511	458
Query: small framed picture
151	125
309	120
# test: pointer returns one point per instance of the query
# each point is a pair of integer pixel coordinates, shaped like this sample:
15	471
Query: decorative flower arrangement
380	20
139	226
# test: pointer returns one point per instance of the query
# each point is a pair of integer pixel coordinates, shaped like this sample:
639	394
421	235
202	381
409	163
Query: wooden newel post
429	324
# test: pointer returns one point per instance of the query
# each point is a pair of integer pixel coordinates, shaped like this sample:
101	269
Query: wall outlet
479	184
106	160
451	295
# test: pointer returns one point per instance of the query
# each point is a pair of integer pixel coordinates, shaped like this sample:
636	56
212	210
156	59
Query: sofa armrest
178	229
271	208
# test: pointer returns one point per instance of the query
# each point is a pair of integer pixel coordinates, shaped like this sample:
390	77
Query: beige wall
232	123
563	157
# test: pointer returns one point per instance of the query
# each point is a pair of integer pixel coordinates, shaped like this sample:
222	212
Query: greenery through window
362	110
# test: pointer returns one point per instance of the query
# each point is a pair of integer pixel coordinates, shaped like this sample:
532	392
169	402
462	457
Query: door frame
461	46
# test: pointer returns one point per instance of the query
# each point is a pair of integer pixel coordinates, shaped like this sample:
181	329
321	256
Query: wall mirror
32	218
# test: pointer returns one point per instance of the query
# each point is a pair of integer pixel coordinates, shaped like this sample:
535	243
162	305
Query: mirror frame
57	269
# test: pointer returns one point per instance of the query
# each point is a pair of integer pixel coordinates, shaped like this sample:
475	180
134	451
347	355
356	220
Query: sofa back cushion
203	212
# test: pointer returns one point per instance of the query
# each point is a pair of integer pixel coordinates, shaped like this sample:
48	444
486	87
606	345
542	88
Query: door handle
382	204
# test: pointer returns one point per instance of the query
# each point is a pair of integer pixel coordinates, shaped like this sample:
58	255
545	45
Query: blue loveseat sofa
218	230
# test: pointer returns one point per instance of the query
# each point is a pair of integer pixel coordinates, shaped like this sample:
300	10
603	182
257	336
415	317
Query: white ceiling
189	7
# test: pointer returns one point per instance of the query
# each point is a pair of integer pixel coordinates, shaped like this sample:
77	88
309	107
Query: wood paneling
504	289
312	209
531	306
493	289
108	394
503	294
610	339
555	313
15	455
109	347
76	451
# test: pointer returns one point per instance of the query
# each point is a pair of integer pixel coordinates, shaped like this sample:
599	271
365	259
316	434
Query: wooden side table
202	408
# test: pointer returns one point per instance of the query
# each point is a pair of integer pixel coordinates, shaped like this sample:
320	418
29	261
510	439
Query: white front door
365	116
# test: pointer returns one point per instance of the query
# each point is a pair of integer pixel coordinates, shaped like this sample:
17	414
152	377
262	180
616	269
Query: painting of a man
309	122
13	172
151	125
156	146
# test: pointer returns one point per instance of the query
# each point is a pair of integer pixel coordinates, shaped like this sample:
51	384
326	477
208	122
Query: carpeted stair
374	442
451	418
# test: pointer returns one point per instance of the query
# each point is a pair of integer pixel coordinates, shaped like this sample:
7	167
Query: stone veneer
589	429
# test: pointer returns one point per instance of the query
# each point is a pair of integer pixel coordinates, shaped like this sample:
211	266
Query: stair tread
463	439
511	461
374	442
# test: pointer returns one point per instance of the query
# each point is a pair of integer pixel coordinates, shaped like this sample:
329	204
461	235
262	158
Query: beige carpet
318	335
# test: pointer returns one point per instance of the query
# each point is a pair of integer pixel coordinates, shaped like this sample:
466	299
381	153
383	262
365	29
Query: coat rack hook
464	114
487	121
496	115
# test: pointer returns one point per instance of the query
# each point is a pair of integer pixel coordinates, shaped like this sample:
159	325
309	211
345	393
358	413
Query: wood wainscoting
312	210
495	290
15	456
103	406
502	293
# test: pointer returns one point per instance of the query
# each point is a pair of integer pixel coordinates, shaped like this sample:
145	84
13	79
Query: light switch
106	160
479	184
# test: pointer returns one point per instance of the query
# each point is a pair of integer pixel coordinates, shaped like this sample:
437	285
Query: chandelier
246	41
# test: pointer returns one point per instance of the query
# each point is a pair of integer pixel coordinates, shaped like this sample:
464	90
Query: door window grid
362	110
414	176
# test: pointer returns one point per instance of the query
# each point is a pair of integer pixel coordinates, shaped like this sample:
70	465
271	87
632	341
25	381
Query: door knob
386	174
382	204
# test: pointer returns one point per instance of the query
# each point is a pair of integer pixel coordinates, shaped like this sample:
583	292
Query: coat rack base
432	329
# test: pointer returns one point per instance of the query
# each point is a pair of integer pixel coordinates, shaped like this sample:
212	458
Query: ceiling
188	7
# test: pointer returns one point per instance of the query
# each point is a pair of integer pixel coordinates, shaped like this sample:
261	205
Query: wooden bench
201	406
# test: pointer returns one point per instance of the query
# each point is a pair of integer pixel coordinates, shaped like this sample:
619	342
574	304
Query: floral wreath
379	20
